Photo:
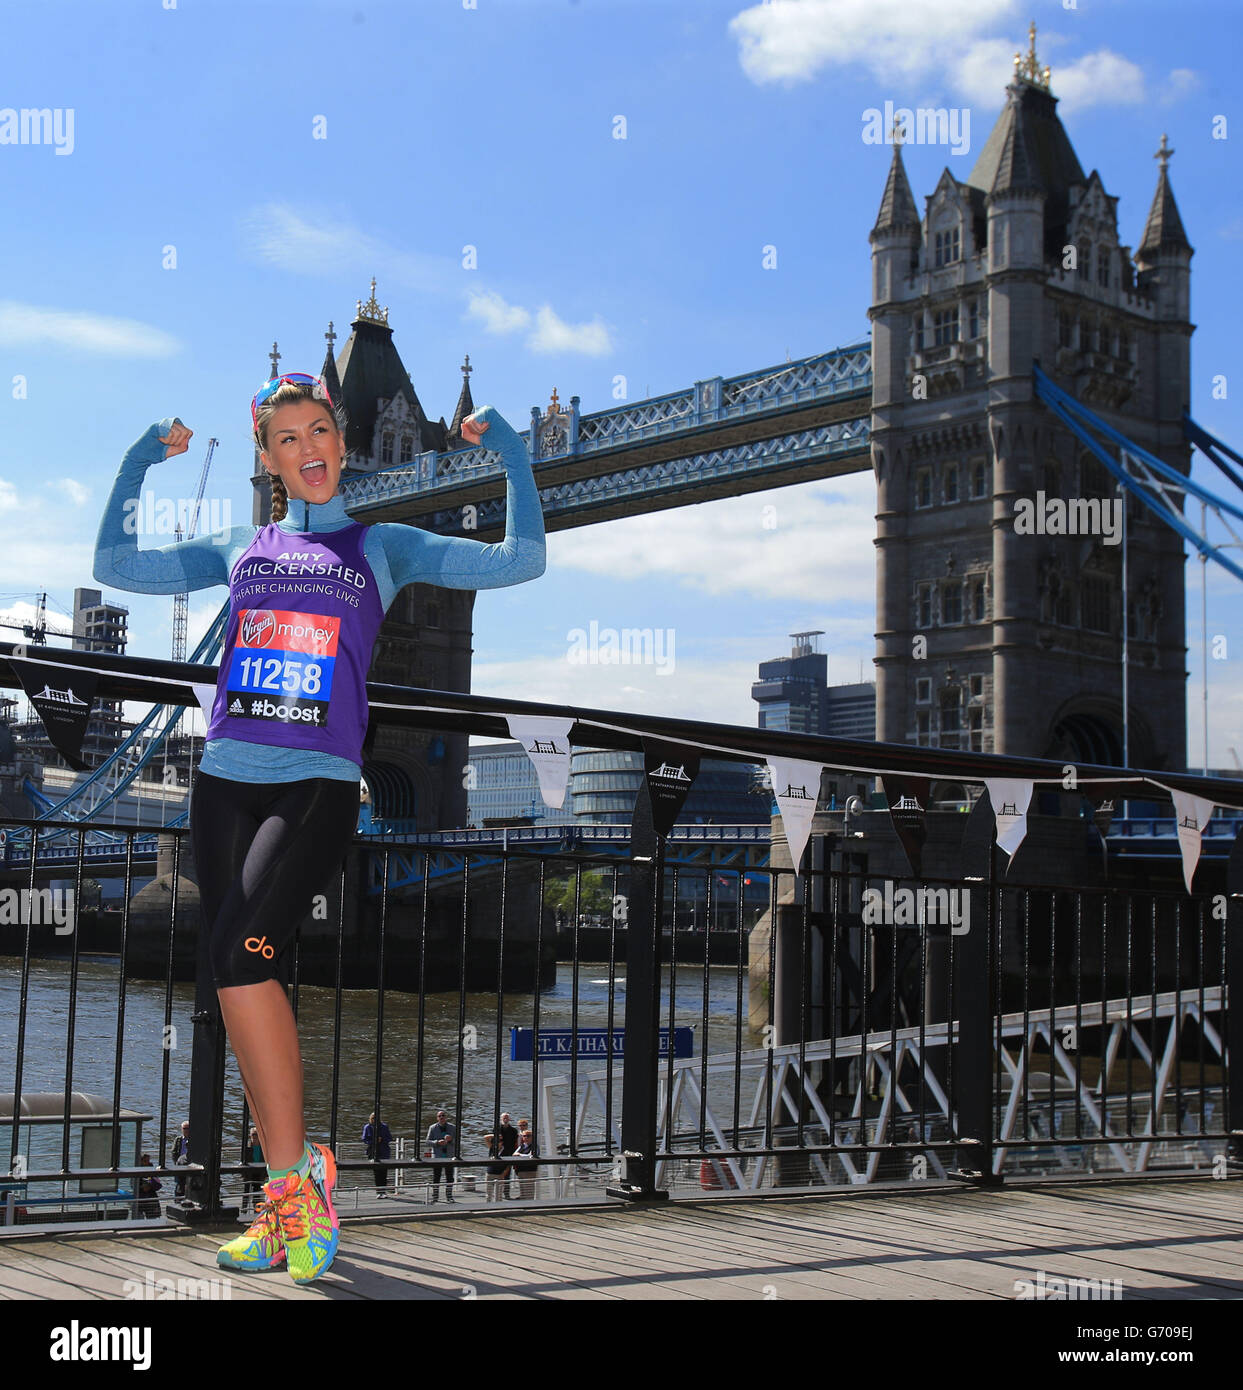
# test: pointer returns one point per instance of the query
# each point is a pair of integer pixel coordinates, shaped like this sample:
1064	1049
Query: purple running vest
304	610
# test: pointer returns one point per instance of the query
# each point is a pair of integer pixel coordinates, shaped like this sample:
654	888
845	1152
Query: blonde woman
276	799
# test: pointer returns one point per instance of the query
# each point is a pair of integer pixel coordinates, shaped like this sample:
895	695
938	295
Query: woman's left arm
455	562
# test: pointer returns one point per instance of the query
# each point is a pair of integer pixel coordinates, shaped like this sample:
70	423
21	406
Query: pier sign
590	1042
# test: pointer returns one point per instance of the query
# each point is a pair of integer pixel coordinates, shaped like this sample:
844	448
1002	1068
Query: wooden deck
1173	1239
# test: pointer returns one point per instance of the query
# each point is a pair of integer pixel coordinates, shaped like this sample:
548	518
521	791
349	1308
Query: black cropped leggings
263	851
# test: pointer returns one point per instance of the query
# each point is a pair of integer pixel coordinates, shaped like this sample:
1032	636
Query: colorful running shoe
308	1222
259	1246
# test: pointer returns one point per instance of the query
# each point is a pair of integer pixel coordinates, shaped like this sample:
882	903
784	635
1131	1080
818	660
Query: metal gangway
1066	1114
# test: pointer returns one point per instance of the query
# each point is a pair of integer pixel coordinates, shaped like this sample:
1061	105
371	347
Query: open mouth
314	472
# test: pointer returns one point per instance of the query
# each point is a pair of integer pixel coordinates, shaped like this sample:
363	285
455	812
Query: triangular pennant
796	785
908	810
206	696
670	769
1192	814
546	740
1010	797
63	702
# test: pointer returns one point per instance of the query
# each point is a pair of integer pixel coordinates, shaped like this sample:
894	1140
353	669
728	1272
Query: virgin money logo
258	627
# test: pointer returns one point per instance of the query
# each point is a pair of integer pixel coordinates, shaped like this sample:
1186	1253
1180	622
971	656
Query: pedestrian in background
378	1141
441	1136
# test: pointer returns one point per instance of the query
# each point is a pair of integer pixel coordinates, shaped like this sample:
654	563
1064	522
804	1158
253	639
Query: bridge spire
371	311
1029	68
1164	228
465	405
897	206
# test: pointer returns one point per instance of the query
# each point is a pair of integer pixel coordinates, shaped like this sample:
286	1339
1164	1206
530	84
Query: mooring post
974	996
1233	1004
641	1061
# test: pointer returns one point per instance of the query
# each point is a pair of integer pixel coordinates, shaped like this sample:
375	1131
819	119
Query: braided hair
288	393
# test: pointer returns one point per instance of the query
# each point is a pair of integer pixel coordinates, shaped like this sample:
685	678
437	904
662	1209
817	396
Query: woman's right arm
167	569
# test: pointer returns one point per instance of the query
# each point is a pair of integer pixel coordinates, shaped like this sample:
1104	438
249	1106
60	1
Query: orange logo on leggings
259	944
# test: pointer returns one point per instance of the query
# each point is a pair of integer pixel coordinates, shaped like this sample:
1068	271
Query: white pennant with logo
547	743
1010	796
796	785
206	696
1192	814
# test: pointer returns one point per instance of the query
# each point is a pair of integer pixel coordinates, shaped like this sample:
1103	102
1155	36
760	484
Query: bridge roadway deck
1163	1239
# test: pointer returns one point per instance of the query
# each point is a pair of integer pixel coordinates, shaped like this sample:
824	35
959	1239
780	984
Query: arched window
1083	258
947	247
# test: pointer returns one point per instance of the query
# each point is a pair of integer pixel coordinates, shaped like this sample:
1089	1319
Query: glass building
604	783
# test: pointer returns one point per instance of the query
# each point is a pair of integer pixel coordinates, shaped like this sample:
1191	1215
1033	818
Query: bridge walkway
1160	1238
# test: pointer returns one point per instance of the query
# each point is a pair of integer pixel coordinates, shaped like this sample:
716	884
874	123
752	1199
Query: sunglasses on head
269	388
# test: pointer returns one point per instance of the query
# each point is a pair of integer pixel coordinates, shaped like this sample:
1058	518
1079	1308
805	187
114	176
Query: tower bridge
719	437
1021	262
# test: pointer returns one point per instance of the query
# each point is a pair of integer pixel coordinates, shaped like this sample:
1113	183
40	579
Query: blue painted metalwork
769	392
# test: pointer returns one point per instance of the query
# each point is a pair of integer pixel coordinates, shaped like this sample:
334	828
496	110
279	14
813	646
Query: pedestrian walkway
1166	1239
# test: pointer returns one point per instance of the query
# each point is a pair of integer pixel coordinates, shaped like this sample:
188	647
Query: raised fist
473	429
177	439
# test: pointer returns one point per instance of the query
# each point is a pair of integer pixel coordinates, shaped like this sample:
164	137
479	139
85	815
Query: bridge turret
1163	266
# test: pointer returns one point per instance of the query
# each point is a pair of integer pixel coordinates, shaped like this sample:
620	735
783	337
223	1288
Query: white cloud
275	234
72	489
789	41
1103	78
495	314
553	334
32	325
821	544
9	498
982	70
696	689
1179	84
969	50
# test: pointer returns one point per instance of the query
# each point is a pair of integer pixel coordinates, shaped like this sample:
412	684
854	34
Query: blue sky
494	126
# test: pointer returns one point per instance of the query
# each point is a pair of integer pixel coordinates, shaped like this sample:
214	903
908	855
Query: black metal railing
971	1024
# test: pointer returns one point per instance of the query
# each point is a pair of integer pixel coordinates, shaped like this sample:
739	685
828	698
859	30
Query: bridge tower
425	639
990	638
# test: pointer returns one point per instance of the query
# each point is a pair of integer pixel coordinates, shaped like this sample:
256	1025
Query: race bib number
281	667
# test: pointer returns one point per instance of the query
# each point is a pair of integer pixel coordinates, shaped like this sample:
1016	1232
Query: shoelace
264	1211
290	1210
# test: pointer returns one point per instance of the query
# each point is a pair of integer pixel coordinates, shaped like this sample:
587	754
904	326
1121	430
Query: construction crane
36	631
181	602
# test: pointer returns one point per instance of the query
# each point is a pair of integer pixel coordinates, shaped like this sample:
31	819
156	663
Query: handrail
171	682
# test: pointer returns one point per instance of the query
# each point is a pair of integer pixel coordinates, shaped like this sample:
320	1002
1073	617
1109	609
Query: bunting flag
1010	798
546	739
670	769
1192	814
1103	815
206	696
1106	800
908	810
796	785
1103	818
63	702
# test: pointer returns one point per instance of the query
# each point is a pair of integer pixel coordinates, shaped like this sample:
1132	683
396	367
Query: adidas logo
235	707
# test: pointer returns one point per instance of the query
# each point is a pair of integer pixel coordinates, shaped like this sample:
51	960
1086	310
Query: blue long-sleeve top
398	555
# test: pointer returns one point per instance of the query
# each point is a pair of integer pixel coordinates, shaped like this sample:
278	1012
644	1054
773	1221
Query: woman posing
275	802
